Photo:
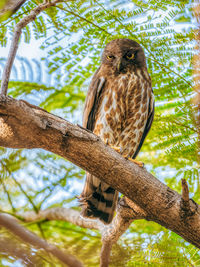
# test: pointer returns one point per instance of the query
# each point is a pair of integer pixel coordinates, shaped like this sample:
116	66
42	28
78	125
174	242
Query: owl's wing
148	124
92	100
98	199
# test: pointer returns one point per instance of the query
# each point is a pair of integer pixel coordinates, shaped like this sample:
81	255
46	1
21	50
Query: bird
119	108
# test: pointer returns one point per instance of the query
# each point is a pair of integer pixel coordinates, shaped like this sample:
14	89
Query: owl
119	108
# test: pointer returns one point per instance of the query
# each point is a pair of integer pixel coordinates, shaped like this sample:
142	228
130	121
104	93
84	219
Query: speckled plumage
119	108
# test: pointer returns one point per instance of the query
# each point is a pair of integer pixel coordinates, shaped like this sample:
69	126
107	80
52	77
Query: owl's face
122	55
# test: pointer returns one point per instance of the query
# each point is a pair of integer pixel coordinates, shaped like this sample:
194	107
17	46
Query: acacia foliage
73	35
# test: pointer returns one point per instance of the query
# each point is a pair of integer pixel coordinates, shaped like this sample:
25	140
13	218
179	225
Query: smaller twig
15	41
11	7
27	236
188	206
84	19
8	195
15	17
185	126
185	191
27	196
185	203
20	187
63	214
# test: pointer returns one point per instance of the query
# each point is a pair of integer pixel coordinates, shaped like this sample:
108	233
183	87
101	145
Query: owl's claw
117	149
139	163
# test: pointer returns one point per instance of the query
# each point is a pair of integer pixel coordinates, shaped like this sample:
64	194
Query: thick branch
23	126
13	226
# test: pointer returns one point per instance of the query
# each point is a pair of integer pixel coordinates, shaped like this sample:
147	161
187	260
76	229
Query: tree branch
20	126
188	206
62	214
185	191
24	126
11	248
126	213
196	74
10	7
15	40
13	226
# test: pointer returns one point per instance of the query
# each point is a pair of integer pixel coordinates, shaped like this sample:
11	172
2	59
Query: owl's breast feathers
122	110
119	109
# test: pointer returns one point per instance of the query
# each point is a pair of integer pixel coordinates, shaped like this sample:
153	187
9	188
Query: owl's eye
110	57
130	56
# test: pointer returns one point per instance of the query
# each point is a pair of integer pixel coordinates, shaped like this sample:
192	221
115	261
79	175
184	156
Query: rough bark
25	126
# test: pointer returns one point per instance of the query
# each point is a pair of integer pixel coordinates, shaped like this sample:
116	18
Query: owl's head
122	55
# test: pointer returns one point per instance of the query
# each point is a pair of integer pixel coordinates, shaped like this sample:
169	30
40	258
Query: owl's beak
119	65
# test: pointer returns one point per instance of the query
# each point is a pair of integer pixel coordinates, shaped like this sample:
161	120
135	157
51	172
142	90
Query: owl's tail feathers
98	200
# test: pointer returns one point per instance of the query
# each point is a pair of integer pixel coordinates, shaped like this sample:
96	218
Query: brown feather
119	108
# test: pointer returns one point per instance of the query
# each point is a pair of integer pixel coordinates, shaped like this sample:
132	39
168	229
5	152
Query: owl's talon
119	150
116	148
139	163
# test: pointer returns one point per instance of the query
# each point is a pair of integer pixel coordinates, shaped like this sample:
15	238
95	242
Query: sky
30	51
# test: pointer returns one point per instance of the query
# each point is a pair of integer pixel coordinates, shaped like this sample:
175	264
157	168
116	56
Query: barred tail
98	199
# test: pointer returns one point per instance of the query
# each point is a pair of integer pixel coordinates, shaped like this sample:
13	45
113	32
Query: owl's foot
117	149
139	163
